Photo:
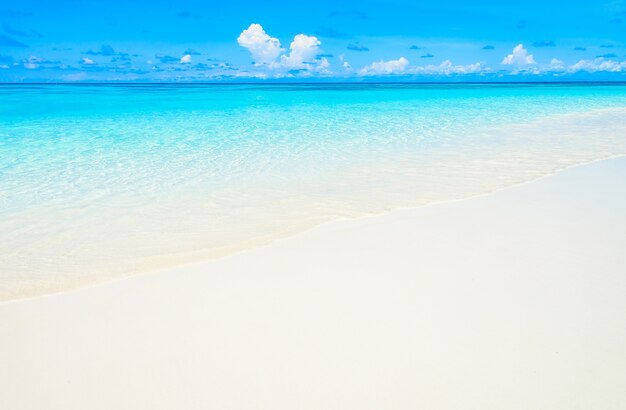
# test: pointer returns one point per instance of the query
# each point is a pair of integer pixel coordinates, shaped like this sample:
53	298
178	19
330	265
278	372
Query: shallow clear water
102	181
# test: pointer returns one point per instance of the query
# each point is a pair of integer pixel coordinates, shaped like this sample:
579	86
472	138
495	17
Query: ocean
103	181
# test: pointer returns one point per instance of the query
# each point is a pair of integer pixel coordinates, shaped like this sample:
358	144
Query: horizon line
173	83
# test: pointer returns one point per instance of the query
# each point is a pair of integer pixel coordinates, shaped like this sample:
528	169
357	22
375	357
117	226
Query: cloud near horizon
519	57
262	47
304	51
381	67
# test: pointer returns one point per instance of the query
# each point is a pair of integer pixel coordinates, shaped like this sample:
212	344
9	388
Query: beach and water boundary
509	300
104	191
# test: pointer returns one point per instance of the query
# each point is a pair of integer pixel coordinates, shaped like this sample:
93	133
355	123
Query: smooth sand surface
516	300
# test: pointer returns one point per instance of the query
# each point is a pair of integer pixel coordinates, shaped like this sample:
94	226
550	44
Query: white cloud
32	62
346	65
303	50
87	61
447	68
266	52
264	49
4	66
519	57
385	67
186	59
323	64
556	65
599	64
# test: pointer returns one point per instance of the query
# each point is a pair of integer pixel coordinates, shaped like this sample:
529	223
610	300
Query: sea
101	181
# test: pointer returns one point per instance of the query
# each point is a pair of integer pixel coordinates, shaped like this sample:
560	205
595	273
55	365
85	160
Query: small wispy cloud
331	33
186	15
105	50
488	47
382	67
165	59
427	56
357	47
354	14
414	47
34	62
15	32
16	14
544	43
6	41
447	68
580	49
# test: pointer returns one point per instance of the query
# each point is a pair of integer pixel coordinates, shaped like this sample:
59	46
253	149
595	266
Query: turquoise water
103	181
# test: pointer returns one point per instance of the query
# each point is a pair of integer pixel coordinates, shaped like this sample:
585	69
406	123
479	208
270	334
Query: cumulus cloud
381	67
302	51
598	65
519	57
262	47
186	59
87	61
556	65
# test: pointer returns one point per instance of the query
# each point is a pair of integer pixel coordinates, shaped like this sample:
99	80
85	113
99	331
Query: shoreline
509	300
261	243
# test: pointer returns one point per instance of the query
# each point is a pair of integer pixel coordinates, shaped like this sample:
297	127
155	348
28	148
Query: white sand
516	300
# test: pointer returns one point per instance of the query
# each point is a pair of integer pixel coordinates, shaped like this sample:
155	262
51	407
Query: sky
315	40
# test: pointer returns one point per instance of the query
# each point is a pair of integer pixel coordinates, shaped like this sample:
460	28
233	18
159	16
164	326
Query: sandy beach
513	300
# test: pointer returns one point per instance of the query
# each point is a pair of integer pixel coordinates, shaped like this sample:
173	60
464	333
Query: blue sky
189	40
